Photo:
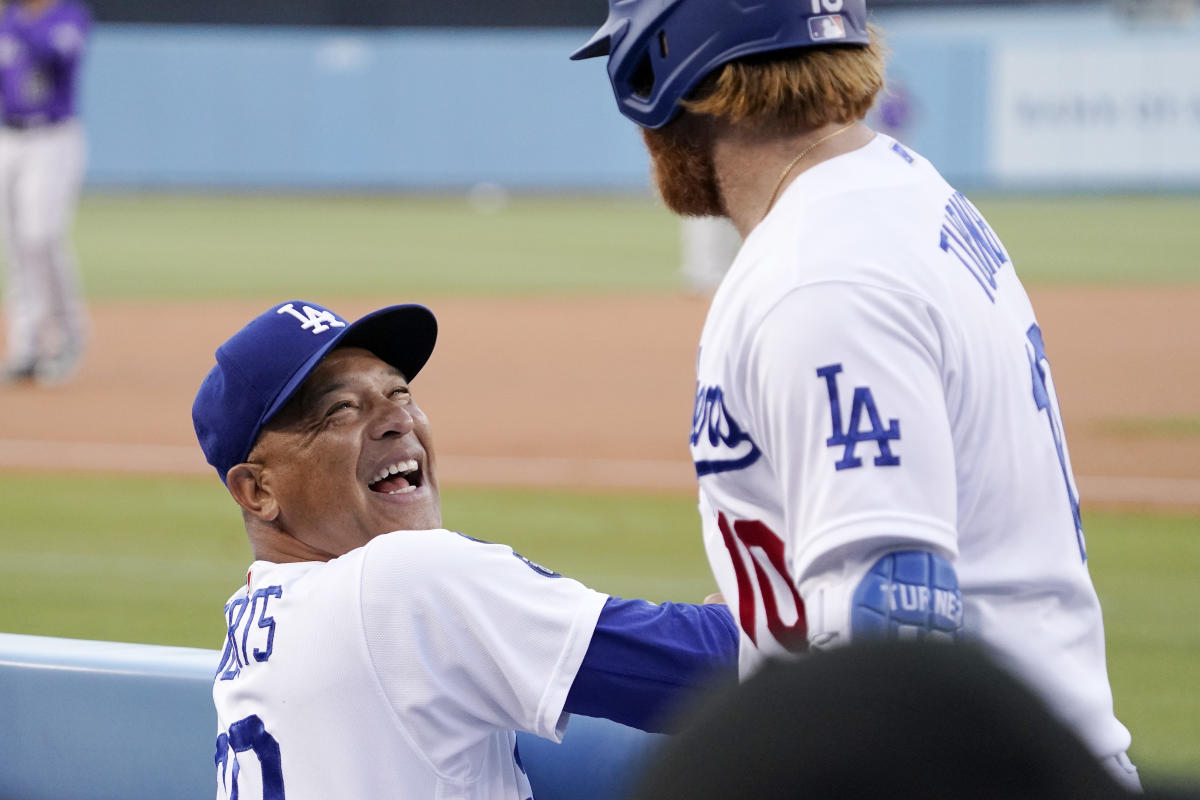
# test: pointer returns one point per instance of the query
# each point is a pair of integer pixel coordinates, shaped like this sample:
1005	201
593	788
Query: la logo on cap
317	320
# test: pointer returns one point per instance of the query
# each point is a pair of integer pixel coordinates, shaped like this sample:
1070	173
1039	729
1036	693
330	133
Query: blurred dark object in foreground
888	719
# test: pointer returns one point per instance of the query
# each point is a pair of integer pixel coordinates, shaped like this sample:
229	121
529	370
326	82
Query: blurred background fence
1071	96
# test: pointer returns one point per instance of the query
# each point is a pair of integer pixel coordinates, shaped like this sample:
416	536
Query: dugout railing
86	720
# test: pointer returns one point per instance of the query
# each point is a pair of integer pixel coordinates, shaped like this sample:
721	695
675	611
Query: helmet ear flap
642	79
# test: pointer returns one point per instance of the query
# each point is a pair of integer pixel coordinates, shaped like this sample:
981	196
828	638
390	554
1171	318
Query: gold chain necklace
795	161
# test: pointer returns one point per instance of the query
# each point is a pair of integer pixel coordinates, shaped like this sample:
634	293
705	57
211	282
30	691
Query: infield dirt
597	391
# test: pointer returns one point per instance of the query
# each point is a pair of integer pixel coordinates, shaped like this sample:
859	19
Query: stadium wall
1071	97
96	720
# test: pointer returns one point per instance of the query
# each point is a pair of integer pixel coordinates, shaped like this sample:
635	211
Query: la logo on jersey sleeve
852	435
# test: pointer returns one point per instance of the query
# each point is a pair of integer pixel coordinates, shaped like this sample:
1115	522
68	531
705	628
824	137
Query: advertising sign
1098	113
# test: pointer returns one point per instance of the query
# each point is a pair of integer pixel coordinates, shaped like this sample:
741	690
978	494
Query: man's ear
245	482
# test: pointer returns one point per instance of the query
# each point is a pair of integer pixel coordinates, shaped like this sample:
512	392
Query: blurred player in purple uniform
42	155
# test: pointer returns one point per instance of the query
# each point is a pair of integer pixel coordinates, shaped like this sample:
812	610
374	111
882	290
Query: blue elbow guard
911	594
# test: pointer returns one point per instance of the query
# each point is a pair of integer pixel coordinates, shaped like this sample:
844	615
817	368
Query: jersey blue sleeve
645	661
909	594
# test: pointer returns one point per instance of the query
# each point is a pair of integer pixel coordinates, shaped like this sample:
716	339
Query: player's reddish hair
800	90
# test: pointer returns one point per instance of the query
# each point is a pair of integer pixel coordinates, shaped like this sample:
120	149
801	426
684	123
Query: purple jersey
39	60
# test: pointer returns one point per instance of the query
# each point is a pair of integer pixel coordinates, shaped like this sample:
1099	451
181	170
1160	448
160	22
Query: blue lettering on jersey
967	236
240	619
900	151
718	442
853	435
234	612
533	565
536	567
1045	399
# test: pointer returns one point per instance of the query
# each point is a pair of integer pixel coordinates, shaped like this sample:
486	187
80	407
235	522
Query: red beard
683	169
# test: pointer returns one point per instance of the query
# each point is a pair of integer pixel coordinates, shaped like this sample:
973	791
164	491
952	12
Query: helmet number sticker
826	6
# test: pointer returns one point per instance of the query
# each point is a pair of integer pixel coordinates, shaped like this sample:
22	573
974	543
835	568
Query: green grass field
152	246
152	560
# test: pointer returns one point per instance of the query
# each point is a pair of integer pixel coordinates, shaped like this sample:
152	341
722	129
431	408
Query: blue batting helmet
659	50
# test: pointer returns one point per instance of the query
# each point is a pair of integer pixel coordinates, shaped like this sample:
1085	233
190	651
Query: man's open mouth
399	478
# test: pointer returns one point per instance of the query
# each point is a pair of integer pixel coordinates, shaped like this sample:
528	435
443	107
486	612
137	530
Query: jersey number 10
771	582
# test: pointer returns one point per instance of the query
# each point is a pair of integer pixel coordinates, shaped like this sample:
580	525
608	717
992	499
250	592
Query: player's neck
271	544
750	165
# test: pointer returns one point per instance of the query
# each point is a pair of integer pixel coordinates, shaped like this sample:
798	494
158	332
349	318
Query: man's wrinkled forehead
334	373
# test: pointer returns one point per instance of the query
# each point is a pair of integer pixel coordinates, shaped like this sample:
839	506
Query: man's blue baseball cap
263	364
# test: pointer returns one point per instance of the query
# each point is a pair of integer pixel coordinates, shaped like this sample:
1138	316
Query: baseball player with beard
876	434
42	153
369	652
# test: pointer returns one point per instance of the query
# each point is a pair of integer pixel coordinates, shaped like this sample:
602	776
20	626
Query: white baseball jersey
871	377
400	670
